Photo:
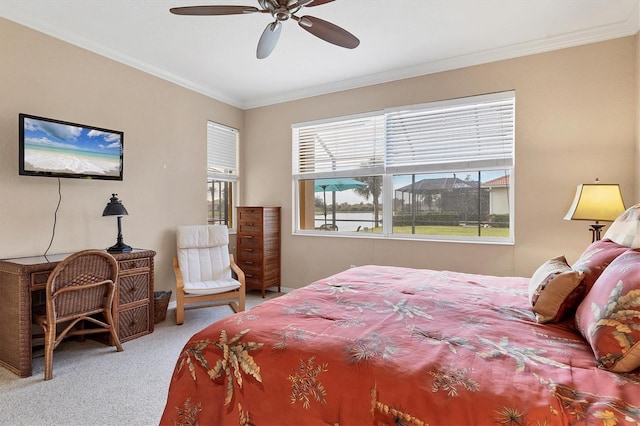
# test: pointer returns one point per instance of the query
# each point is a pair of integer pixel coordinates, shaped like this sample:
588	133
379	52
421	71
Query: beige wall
164	150
576	120
637	180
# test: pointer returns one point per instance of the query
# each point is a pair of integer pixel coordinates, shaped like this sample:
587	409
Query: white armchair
204	270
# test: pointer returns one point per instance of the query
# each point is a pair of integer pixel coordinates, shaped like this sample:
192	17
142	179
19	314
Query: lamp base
596	230
119	247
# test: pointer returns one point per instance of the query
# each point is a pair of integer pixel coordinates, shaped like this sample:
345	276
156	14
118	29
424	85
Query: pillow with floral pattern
596	258
609	315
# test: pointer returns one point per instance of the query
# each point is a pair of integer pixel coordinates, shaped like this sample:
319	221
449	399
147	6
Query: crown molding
628	27
21	18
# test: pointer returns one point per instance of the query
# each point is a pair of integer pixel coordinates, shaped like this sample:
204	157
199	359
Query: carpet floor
95	385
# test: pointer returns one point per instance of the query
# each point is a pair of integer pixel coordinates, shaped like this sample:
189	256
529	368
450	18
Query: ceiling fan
281	10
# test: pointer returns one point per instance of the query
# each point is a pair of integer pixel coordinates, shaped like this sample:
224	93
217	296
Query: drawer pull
249	263
249	275
249	223
249	237
249	250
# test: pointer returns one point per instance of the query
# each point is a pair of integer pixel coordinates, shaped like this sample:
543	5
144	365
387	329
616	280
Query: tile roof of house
438	184
501	181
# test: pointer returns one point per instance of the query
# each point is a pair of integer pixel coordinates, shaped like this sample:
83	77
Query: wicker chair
80	288
204	268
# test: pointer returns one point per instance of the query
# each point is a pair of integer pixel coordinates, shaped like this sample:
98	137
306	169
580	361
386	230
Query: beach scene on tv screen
62	148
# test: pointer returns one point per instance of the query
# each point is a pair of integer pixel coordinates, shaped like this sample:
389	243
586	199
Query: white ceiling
215	55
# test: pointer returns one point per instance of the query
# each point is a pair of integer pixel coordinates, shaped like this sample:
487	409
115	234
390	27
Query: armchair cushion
207	264
204	259
203	253
200	236
205	271
211	287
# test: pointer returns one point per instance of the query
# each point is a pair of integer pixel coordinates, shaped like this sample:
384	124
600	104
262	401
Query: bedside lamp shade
116	208
596	202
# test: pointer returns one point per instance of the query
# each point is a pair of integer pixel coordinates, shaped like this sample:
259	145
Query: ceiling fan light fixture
269	39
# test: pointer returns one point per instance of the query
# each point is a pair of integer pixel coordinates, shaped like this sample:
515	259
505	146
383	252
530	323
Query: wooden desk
23	279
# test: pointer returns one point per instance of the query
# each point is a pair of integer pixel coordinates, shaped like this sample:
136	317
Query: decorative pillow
595	259
625	230
609	315
555	289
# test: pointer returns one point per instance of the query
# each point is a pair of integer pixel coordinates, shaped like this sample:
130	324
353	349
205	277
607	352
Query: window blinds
222	151
351	147
467	133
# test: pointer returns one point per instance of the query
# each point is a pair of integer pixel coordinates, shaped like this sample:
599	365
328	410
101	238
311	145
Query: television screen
61	149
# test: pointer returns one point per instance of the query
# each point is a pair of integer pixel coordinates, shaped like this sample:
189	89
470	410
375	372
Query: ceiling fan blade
268	39
318	2
329	32
213	10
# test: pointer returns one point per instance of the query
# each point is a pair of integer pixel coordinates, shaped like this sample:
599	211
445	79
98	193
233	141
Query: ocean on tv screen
48	159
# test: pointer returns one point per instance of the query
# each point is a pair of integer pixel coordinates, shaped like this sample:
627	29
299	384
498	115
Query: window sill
399	237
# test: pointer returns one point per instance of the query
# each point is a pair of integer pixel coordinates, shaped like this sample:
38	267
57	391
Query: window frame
225	168
506	165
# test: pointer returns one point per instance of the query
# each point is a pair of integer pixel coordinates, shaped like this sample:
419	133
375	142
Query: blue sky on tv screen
63	136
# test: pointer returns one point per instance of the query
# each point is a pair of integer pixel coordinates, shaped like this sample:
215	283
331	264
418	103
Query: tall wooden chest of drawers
258	246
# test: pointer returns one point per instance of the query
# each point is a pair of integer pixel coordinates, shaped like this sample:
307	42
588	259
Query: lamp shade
596	202
114	207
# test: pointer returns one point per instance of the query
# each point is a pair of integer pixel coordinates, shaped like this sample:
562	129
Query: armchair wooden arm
236	269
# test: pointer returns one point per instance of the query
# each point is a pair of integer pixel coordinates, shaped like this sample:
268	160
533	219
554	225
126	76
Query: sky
76	137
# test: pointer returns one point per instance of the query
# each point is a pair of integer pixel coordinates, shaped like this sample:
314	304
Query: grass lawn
460	231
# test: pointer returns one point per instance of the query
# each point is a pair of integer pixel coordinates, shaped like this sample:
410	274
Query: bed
385	345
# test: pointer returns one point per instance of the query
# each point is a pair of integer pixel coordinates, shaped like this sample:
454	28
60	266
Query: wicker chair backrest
81	282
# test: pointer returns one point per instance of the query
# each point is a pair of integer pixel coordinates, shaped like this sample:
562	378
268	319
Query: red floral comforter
395	346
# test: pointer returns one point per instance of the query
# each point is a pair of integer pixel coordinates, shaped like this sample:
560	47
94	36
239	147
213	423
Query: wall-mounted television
57	148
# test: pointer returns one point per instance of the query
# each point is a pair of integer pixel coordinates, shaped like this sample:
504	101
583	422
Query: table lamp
116	208
596	202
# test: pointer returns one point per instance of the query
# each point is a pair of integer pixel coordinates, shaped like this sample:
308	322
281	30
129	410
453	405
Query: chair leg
49	344
116	339
241	301
112	331
179	308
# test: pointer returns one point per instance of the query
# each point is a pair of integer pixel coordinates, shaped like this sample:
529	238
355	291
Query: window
222	173
441	170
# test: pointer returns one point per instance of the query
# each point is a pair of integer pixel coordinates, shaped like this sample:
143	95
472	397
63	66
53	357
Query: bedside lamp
596	202
116	208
